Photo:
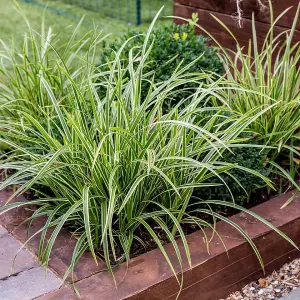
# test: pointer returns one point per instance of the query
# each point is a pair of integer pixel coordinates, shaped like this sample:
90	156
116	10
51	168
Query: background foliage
174	46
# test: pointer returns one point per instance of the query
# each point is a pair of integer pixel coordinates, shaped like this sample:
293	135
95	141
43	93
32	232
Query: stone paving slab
294	295
3	231
27	280
9	247
28	284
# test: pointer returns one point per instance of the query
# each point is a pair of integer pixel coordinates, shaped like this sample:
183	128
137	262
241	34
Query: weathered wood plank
248	7
212	276
243	35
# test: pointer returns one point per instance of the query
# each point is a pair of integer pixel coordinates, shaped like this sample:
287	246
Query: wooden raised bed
225	11
148	276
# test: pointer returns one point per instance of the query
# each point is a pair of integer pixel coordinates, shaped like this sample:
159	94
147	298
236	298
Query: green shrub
241	183
173	46
250	155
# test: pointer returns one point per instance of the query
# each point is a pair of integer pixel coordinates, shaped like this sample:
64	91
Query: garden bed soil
148	276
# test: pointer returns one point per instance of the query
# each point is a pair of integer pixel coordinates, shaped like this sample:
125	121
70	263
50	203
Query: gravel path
275	286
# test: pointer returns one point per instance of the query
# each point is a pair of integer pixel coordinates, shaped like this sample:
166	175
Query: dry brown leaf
262	283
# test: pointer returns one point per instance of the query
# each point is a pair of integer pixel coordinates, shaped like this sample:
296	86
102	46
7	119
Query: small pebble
275	286
260	292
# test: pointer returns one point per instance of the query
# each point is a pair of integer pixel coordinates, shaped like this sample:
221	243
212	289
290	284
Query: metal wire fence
131	11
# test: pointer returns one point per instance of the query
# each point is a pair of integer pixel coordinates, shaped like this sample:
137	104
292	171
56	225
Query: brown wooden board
243	35
212	276
248	7
62	250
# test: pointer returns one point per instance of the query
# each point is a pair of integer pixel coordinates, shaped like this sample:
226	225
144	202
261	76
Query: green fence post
138	12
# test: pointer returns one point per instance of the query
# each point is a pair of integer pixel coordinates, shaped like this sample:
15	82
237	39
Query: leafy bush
173	46
248	155
241	183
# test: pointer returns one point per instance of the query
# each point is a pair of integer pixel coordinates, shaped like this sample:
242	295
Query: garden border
148	276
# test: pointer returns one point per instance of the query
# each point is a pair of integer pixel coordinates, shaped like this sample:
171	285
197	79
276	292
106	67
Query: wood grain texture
62	251
251	6
212	276
243	35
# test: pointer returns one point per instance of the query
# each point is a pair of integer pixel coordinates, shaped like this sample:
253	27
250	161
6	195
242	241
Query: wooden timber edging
224	10
212	276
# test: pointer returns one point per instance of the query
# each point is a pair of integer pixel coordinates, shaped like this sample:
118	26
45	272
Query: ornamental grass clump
120	165
268	76
42	56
